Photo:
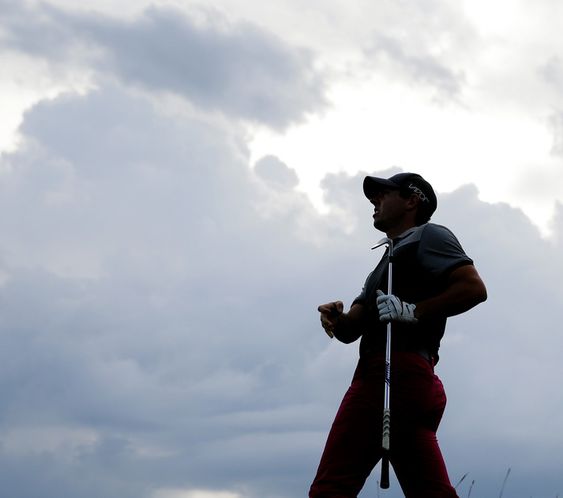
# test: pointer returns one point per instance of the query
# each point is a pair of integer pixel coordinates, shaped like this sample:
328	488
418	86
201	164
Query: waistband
426	355
423	352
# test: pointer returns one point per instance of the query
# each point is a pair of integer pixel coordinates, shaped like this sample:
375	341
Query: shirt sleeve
440	252
362	297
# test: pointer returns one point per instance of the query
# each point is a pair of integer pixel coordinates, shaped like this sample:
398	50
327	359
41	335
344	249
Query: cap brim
373	185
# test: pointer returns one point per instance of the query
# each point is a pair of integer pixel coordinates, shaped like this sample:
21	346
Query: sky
180	187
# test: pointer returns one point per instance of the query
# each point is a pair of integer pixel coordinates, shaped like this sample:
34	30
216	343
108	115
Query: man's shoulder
428	231
435	246
435	230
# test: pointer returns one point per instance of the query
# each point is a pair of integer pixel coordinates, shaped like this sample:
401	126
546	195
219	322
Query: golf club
385	443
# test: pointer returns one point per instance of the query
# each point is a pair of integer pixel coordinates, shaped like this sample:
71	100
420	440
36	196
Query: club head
384	241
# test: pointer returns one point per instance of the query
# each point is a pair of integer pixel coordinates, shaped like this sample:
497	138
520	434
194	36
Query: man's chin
378	226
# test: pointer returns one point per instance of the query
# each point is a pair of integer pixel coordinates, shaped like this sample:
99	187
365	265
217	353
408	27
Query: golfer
433	279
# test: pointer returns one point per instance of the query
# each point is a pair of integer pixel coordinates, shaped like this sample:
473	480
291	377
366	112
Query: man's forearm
464	291
349	325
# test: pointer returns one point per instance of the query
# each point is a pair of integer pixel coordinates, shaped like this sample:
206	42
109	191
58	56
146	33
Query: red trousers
353	447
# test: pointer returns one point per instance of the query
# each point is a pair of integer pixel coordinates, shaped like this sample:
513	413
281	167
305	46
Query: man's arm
346	327
464	290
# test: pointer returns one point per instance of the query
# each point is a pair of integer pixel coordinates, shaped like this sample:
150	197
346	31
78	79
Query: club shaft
386	434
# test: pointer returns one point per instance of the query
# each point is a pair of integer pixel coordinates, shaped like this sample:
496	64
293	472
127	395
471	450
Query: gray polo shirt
423	259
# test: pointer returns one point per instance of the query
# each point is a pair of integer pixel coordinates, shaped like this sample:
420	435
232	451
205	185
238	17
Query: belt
426	355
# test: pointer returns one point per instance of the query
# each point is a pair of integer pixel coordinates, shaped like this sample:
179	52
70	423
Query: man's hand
330	313
391	308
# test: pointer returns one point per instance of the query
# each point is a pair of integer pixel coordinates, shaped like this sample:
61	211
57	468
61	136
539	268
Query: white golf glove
391	308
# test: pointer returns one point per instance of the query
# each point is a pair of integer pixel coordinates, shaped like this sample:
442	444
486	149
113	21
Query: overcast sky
180	187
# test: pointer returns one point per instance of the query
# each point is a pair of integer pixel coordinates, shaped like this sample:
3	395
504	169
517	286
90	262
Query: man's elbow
475	287
479	292
346	336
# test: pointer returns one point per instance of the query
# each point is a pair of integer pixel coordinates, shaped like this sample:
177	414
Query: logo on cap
423	197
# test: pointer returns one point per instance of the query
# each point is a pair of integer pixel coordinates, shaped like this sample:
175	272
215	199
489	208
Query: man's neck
399	230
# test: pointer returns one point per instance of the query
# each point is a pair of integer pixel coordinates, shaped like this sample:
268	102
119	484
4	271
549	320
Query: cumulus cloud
158	294
275	172
556	125
424	45
237	69
159	325
418	67
195	494
552	71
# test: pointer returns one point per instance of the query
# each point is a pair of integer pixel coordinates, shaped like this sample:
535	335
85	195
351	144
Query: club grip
384	481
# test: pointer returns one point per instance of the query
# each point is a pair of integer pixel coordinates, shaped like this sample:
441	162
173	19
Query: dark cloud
503	349
151	301
158	314
237	69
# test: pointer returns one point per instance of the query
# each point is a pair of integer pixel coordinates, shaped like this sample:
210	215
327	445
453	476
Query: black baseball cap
407	183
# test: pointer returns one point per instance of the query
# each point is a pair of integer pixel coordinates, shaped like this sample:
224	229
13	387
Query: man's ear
413	201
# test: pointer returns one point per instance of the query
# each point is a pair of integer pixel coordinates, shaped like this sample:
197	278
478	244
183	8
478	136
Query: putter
385	442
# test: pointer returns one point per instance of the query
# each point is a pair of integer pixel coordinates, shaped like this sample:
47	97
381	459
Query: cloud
558	225
422	45
155	280
158	296
502	354
418	67
195	494
159	321
275	172
556	125
237	69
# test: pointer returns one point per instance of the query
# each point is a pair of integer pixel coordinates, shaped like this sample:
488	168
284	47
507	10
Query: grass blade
471	488
504	482
461	480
